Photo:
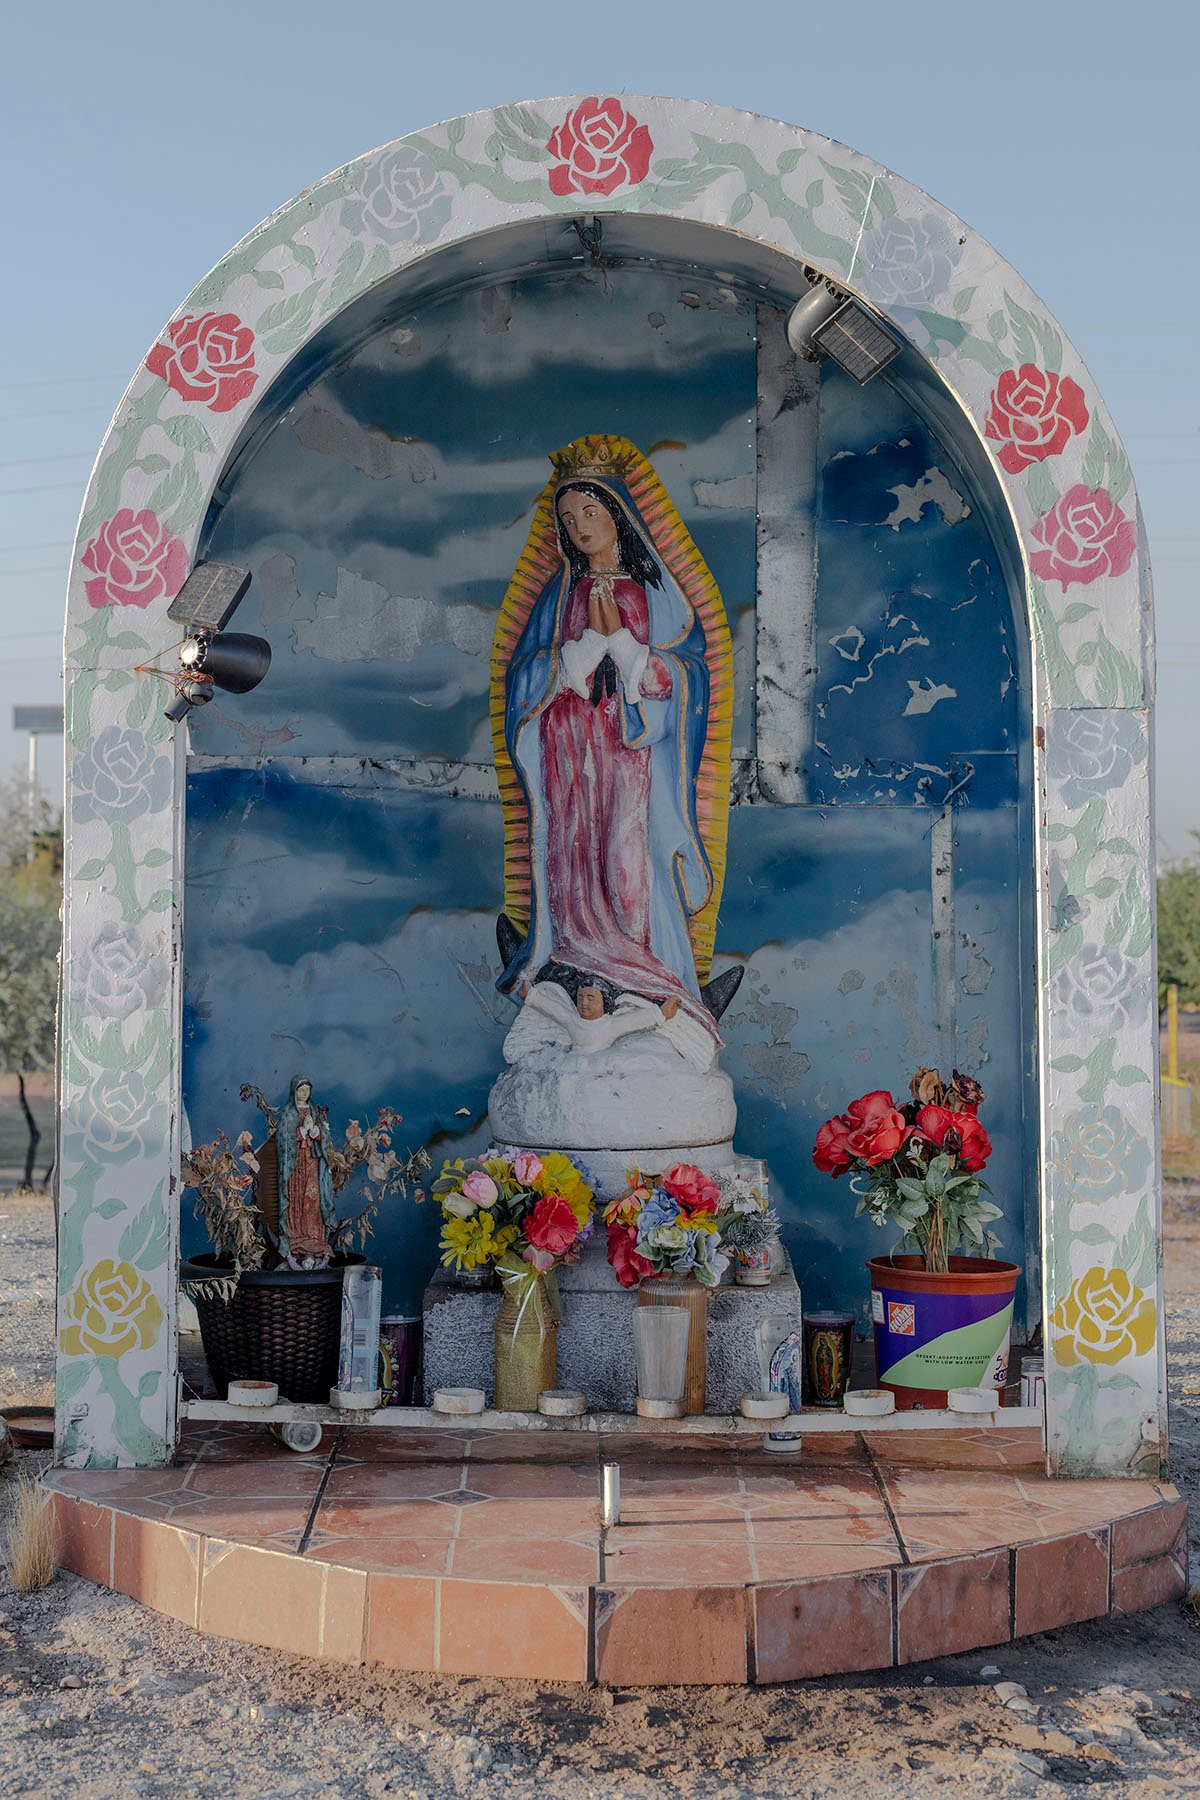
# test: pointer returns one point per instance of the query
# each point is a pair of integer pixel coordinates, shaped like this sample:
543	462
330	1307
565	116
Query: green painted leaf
108	1209
814	194
149	1383
1130	1076
88	871
1119	846
1078	609
787	161
1093	1234
740	208
171	489
72	1376
342	282
154	859
1024	331
1042	492
1067	1065
998	326
287	311
1095	459
188	432
1105	887
454	135
963	299
152	464
267	278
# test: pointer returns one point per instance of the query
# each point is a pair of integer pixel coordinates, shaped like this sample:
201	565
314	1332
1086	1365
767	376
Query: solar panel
856	342
209	597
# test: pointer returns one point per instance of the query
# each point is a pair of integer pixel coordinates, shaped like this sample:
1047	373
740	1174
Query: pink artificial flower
552	1225
527	1167
480	1188
541	1260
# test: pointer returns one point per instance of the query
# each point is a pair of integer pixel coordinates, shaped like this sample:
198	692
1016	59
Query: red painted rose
1034	414
134	560
877	1128
627	1265
599	147
694	1190
210	358
1085	536
831	1155
552	1225
960	1133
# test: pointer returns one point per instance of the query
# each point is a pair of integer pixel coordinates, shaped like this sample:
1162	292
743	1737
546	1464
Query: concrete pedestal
595	1341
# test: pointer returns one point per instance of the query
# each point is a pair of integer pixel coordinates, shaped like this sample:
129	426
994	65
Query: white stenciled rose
910	259
1093	750
118	777
401	198
1101	991
121	975
112	1119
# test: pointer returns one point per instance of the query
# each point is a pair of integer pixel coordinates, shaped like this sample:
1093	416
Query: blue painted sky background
141	141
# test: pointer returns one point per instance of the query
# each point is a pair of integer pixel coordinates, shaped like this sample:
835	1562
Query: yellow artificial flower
112	1310
469	1242
1103	1318
700	1221
560	1176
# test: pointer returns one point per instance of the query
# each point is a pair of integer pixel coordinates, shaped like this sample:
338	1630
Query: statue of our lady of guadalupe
306	1209
611	702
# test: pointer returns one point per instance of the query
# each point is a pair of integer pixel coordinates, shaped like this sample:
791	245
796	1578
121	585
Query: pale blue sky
142	141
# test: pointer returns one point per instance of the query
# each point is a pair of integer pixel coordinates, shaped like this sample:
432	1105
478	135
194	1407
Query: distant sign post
37	721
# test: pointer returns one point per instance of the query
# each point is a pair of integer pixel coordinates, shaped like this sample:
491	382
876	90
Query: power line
44	487
24	462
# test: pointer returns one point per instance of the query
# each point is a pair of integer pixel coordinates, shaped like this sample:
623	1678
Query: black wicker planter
282	1325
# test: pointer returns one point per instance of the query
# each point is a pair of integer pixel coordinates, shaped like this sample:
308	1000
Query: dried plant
225	1201
32	1539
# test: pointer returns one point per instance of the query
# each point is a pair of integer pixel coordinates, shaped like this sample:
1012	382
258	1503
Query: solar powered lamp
211	657
829	322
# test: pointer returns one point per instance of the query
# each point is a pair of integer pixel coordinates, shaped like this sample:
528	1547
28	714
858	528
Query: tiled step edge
630	1635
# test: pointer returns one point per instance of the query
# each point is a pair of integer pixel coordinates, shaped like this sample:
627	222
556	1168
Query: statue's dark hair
571	980
632	554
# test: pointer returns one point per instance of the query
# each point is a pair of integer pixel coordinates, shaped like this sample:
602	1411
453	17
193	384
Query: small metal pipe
612	1493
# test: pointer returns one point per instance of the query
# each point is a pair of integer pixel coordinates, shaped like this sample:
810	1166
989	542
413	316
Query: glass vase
660	1342
526	1354
685	1291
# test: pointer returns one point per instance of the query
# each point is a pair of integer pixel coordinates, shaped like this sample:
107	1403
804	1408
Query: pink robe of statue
597	803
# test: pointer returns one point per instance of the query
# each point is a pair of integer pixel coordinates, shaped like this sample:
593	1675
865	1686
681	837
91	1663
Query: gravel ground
100	1698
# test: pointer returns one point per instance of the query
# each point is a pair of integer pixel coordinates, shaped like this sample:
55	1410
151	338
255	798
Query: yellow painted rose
112	1310
1104	1318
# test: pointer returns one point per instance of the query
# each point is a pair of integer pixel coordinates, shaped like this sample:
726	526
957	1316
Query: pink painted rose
134	559
527	1167
210	358
1034	414
480	1188
599	147
1084	536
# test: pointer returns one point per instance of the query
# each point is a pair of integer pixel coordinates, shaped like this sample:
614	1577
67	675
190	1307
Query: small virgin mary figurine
306	1209
611	703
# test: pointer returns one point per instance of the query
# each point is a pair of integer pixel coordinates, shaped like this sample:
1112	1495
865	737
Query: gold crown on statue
594	457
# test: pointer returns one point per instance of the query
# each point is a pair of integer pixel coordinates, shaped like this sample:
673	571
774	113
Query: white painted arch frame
1088	592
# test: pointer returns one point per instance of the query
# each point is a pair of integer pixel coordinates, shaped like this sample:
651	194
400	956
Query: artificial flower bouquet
674	1223
525	1213
918	1164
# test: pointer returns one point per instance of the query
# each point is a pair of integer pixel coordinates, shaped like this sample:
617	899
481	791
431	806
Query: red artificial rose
968	1140
694	1190
552	1225
976	1144
134	560
1034	414
210	358
876	1128
1085	535
599	147
627	1265
831	1155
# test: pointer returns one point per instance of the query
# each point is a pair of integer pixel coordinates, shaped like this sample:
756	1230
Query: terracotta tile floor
521	1513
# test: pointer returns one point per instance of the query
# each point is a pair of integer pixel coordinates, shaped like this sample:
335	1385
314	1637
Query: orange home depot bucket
935	1332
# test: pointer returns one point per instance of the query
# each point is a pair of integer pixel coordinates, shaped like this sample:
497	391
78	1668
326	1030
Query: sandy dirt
100	1698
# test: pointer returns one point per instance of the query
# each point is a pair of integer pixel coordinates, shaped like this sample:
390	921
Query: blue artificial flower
658	1210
